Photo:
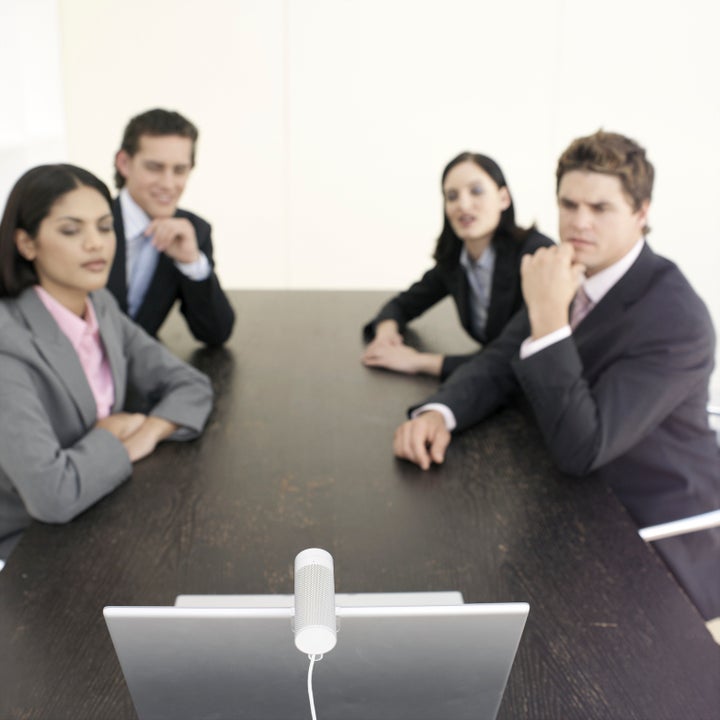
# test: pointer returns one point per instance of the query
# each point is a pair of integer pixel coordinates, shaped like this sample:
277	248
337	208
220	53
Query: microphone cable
311	698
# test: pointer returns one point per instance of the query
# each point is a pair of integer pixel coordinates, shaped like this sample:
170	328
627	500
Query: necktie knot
581	306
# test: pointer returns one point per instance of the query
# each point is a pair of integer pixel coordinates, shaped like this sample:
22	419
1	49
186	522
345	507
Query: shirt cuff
530	346
444	410
198	270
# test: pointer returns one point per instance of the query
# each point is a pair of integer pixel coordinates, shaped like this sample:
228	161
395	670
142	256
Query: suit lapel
117	281
504	289
161	292
113	351
59	353
626	291
460	289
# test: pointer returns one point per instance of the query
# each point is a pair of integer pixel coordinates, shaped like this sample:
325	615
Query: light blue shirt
479	274
137	245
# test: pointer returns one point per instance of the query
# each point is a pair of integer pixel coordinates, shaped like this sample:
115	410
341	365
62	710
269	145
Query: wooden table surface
297	453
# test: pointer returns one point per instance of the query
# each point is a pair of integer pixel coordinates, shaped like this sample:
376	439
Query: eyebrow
598	204
472	183
160	163
62	218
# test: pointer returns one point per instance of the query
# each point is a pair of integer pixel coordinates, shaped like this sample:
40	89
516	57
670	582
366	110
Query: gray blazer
54	463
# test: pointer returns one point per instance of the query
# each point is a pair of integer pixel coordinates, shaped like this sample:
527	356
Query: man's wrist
197	270
547	320
531	345
445	412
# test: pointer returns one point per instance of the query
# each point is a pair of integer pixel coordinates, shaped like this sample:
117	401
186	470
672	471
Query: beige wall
325	123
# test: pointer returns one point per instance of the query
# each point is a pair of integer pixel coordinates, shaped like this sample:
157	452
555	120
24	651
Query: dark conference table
297	453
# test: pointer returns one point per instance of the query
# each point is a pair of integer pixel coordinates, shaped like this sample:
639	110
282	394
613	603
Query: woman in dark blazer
477	259
69	357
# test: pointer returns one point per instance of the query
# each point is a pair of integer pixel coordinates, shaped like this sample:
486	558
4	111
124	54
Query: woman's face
473	202
74	247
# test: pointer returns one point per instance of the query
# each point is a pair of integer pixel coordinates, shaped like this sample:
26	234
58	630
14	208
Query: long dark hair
449	244
28	204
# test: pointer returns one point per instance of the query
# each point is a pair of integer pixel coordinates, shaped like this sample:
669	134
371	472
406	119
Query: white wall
325	123
32	121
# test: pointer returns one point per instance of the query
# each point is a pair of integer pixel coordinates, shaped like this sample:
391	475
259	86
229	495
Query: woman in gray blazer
69	358
477	259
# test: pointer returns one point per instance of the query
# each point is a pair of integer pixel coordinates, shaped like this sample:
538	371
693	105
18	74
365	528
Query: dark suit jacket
54	462
622	400
451	279
207	310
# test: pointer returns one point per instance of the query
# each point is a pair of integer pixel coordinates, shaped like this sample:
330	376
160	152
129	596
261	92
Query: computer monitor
234	657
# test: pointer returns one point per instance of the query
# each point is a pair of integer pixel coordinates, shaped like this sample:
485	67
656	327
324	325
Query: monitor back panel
389	663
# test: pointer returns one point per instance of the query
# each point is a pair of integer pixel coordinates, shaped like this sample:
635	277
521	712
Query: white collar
597	286
134	218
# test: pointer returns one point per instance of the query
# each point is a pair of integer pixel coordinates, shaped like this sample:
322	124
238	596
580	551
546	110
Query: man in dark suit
613	352
163	254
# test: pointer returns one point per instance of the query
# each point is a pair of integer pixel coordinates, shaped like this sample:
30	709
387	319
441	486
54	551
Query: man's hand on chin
175	237
550	279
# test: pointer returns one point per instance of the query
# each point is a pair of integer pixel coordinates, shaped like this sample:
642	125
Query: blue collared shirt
479	274
135	220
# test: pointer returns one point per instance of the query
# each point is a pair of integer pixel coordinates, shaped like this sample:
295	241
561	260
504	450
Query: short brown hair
155	122
611	154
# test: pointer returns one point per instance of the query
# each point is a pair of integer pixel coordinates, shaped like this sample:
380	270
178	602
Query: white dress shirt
595	287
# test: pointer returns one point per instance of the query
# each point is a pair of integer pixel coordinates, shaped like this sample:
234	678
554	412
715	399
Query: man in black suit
163	254
613	352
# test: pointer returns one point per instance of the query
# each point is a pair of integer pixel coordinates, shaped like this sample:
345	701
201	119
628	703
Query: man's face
156	174
597	218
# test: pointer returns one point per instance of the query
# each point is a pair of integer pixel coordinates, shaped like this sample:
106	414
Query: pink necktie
581	306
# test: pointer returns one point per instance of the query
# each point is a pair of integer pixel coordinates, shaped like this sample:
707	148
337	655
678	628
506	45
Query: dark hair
449	244
611	154
155	122
29	203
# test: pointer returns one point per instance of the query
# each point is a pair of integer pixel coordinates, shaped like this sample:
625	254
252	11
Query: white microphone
315	622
